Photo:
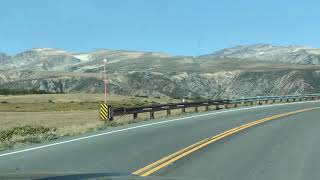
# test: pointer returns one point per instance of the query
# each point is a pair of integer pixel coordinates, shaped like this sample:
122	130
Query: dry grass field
63	114
61	110
70	102
28	119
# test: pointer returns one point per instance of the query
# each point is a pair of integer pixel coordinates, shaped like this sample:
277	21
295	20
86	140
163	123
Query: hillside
222	74
48	59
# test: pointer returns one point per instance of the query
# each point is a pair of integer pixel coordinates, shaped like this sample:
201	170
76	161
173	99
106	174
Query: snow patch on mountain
83	57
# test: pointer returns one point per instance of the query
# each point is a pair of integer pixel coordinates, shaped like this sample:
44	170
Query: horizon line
150	51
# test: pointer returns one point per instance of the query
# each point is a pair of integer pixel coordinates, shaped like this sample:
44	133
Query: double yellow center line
153	167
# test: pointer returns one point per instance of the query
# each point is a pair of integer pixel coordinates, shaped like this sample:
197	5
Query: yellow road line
153	167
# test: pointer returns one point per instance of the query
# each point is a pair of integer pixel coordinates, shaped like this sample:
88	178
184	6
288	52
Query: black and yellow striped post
105	114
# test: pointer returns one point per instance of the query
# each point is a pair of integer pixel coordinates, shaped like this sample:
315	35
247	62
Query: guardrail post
300	99
226	106
266	102
151	114
281	100
294	99
206	108
288	100
217	107
251	103
168	112
196	109
183	110
273	101
235	104
135	115
259	102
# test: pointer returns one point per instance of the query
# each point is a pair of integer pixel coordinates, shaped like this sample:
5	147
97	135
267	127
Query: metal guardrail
217	103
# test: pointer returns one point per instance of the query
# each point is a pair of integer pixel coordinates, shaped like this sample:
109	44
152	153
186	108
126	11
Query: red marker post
105	80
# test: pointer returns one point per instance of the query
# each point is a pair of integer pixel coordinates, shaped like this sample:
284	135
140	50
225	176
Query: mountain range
247	70
55	59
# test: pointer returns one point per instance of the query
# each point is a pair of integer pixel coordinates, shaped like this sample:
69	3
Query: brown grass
69	122
71	102
77	97
50	119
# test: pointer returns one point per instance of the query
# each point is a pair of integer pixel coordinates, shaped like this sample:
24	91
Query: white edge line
145	125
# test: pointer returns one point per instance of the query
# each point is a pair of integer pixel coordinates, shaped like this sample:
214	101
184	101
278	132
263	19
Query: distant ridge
267	52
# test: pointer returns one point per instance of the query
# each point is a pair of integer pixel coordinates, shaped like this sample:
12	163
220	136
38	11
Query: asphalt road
280	149
283	149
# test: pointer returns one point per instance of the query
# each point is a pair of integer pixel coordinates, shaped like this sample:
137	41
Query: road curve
273	149
284	149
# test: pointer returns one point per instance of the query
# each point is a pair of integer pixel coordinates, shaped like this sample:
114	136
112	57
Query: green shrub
25	91
24	131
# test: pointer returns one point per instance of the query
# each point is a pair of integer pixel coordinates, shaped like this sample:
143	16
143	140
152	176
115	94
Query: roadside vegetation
36	118
20	136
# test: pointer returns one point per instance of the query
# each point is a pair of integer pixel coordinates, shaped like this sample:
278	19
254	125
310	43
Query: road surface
286	148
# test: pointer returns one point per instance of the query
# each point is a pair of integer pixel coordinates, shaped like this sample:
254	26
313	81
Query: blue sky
181	27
